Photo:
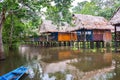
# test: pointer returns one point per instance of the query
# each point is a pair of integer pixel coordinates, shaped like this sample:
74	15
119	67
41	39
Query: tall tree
15	15
79	6
2	20
90	8
23	10
59	12
104	8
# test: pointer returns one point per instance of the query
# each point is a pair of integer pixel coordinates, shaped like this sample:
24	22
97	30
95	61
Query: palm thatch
116	17
90	22
80	21
49	26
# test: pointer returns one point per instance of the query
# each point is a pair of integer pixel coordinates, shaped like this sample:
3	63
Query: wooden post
115	40
65	43
97	44
84	39
71	39
81	44
91	44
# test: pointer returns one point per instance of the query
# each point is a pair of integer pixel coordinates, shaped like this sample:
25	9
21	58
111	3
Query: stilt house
115	21
55	33
91	28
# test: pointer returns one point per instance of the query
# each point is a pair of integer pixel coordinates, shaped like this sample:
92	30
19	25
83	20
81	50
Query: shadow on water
63	63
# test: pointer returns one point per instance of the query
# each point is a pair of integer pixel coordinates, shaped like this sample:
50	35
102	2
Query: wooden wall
73	36
86	35
90	35
67	37
118	35
107	36
53	36
64	37
98	35
102	35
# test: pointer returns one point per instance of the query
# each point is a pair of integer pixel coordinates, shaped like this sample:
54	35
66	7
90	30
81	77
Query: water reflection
64	63
36	72
12	61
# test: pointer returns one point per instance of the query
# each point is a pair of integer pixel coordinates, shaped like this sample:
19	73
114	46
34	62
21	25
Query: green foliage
18	29
90	8
23	17
22	12
104	8
80	6
59	12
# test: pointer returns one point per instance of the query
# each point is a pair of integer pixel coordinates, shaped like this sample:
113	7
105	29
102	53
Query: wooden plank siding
107	36
102	35
98	35
73	36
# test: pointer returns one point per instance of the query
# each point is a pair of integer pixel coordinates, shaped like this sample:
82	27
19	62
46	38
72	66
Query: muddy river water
63	63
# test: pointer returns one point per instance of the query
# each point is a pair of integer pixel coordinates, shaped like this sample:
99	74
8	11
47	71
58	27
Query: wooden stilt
115	40
92	45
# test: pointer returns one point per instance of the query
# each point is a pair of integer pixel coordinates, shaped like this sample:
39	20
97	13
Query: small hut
115	21
56	33
92	28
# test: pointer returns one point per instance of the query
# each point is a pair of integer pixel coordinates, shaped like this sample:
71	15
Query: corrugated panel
64	37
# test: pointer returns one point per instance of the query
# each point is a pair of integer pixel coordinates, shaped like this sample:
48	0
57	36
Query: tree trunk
1	43
11	32
1	47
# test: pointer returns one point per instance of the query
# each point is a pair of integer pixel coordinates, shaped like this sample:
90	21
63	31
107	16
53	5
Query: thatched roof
116	17
80	21
48	26
90	22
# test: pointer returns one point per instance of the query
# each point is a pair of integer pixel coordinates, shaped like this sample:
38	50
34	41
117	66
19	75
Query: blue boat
15	74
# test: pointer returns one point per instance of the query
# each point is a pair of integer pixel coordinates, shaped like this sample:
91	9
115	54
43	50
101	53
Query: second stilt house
92	28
